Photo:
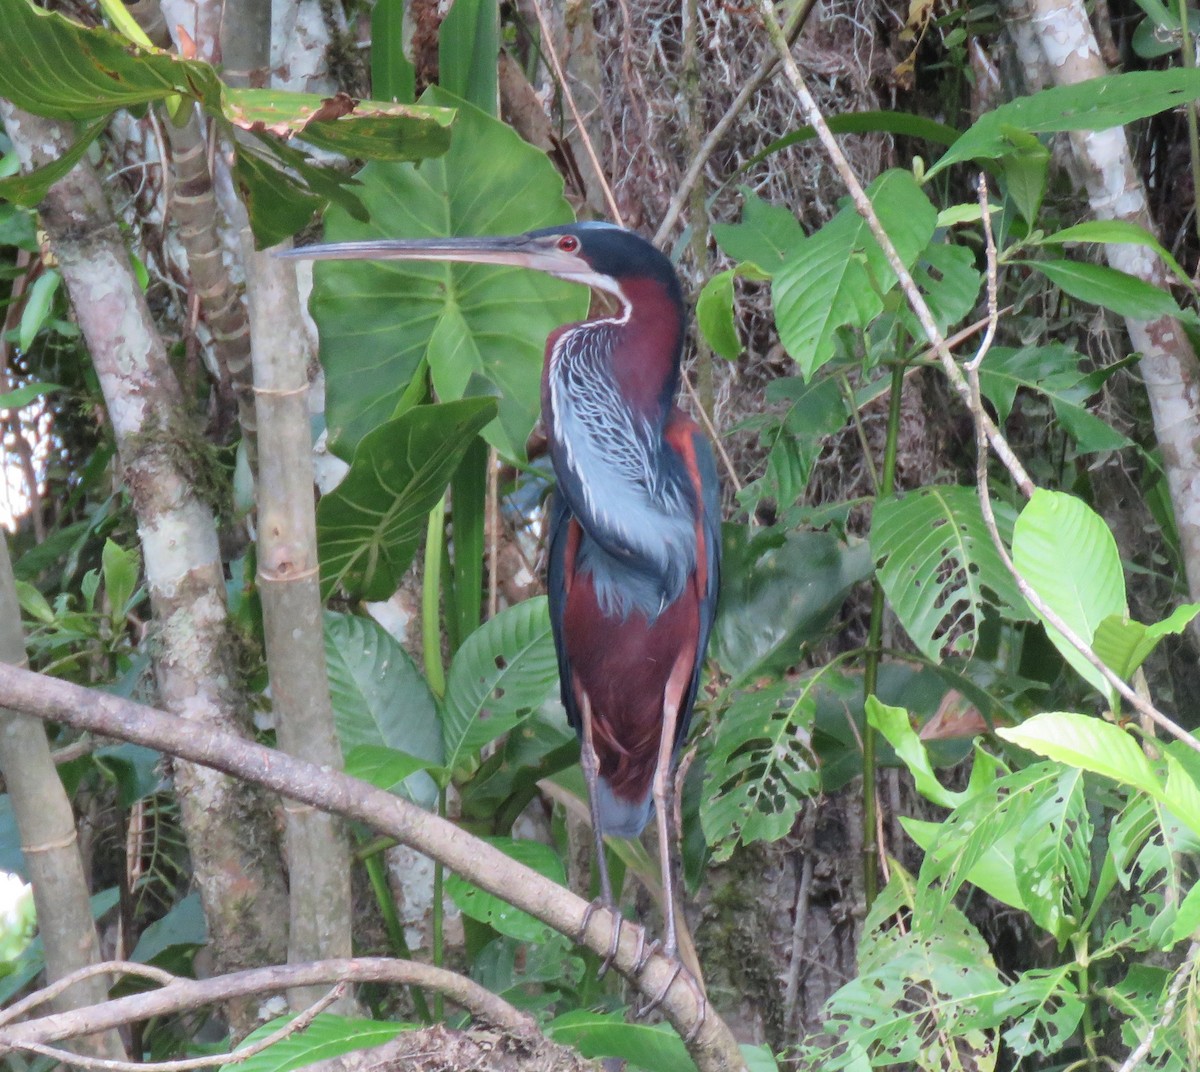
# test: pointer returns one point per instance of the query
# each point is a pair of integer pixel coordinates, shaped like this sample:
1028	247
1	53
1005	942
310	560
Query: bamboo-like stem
714	1048
377	874
46	824
289	583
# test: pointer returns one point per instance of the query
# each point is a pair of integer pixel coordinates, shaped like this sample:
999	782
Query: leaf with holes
938	567
503	672
1042	1010
1067	554
762	768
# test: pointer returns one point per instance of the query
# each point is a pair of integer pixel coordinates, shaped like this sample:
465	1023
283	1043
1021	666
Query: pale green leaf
894	724
607	1034
938	566
1067	554
1124	643
714	314
327	1037
38	304
765	236
1108	232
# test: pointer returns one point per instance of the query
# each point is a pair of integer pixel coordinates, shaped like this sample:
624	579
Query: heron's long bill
539	252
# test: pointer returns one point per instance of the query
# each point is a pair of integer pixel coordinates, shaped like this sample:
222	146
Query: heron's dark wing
559	572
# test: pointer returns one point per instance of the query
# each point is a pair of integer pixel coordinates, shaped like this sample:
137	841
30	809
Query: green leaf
1024	171
385	768
278	204
762	768
380	699
1067	554
1088	742
1109	232
28	188
25	394
468	47
468	497
1096	104
328	1036
38	305
183	925
34	603
1124	644
766	236
894	724
1187	921
393	76
838	276
368	130
503	672
499	914
369	526
778	590
482	329
606	1034
121	571
1054	371
948	278
714	314
54	67
1042	1009
1113	289
938	566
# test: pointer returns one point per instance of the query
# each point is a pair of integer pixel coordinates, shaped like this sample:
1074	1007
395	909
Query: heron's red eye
568	243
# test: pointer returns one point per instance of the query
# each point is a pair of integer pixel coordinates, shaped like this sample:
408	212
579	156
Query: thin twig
713	436
52	990
569	97
1044	611
862	203
302	1021
764	70
987	432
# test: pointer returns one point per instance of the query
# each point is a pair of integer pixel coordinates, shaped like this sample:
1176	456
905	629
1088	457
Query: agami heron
634	524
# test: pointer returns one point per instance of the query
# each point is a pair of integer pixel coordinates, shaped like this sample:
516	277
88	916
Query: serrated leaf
380	699
837	276
1068	556
1124	643
762	768
606	1034
497	913
482	329
503	672
765	237
1111	288
938	566
1095	104
370	525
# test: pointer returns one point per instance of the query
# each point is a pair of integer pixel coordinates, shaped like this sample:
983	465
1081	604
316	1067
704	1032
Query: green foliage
370	525
482	330
938	565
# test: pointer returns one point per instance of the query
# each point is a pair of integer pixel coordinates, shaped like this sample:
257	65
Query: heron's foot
678	971
617	919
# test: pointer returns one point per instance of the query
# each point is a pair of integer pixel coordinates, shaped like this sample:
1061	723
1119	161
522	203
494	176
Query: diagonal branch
714	1048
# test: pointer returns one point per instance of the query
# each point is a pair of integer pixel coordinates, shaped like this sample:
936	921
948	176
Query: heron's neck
645	361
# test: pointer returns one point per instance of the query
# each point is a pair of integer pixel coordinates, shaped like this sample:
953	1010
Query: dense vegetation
941	807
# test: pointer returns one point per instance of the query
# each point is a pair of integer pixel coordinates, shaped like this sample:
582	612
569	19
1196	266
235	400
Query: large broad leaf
838	276
766	236
606	1034
1042	1009
1097	104
1119	291
1054	371
369	526
762	768
1109	232
380	700
498	913
1067	554
778	590
483	330
468	47
503	672
938	567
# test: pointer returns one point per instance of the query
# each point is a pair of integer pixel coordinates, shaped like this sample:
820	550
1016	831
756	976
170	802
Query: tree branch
714	1048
